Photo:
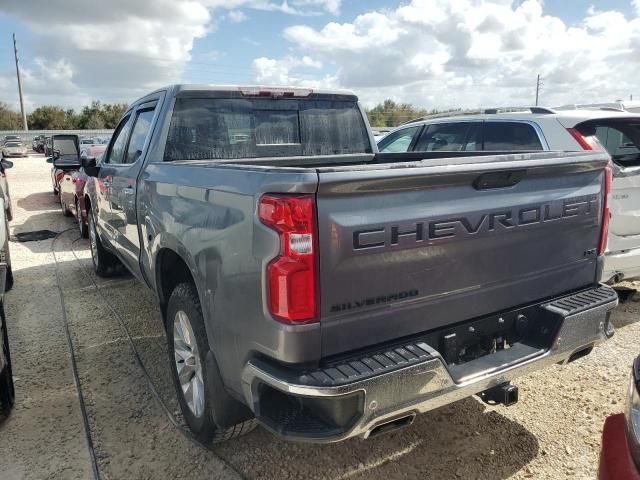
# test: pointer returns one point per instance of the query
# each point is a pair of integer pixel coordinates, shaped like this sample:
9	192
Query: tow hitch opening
505	394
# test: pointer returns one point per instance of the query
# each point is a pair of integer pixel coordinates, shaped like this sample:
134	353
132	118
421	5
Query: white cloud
128	49
236	16
441	53
269	71
292	7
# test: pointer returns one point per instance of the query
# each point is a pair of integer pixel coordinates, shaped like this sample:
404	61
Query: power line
24	115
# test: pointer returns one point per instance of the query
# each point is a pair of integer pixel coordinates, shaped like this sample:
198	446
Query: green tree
9	120
392	114
112	113
50	117
91	116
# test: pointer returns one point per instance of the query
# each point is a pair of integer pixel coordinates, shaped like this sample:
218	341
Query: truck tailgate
410	247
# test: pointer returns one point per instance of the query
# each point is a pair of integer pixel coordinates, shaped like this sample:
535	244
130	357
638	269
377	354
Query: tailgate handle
487	181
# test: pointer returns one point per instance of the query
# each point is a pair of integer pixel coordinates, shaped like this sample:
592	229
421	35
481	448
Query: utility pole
24	116
537	89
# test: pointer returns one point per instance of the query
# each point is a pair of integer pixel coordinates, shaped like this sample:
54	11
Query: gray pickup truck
330	291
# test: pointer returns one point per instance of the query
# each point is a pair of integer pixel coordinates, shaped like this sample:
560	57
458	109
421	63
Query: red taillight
606	212
292	276
586	142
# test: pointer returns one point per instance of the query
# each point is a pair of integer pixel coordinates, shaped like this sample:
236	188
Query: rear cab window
236	128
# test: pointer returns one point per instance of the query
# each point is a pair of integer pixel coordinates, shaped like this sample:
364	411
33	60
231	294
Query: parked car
620	105
7	392
541	128
333	292
72	189
11	138
14	149
47	147
620	455
37	144
4	187
65	157
88	141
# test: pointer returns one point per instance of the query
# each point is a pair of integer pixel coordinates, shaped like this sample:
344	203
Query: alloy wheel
188	365
93	242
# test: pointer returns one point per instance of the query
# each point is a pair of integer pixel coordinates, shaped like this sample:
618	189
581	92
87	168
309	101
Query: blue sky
433	53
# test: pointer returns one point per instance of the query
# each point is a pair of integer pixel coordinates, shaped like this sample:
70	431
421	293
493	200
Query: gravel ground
553	432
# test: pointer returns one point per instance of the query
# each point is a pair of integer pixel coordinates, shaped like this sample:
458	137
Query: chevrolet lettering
489	222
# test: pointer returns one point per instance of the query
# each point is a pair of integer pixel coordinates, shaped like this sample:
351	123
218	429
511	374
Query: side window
510	136
116	152
399	141
139	135
448	137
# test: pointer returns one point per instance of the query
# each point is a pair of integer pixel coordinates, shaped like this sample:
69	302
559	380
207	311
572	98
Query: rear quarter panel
206	213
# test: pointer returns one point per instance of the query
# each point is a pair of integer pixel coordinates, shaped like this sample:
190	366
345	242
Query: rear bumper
355	396
621	266
616	462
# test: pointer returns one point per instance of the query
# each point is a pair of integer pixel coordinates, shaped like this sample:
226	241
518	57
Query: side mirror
6	163
56	154
90	166
49	159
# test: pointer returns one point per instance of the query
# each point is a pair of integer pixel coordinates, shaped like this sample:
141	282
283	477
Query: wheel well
171	270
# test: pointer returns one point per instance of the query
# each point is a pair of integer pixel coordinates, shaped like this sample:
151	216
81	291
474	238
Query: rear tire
104	262
197	386
8	283
65	210
7	391
84	229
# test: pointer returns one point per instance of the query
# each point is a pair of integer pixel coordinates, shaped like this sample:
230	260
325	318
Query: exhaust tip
392	425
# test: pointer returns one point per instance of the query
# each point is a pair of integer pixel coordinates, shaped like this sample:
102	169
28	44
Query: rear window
621	140
250	128
510	136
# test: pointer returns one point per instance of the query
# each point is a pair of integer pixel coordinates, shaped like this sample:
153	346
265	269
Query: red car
72	190
620	456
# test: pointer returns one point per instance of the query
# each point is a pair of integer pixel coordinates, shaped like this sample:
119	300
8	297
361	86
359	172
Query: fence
28	136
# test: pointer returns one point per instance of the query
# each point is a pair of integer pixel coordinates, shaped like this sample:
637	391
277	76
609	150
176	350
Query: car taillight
606	211
292	276
587	142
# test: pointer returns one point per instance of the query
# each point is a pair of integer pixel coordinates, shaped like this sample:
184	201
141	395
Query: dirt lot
553	432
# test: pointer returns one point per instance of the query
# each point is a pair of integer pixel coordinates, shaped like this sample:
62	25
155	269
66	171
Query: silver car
566	128
14	149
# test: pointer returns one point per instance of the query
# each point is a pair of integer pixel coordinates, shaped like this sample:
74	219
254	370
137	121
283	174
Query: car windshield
87	141
13	144
206	128
621	139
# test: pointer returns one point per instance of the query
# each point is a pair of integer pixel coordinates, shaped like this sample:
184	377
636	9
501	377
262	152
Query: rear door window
510	136
447	137
400	141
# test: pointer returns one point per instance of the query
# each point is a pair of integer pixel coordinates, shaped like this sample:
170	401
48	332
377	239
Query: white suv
537	128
